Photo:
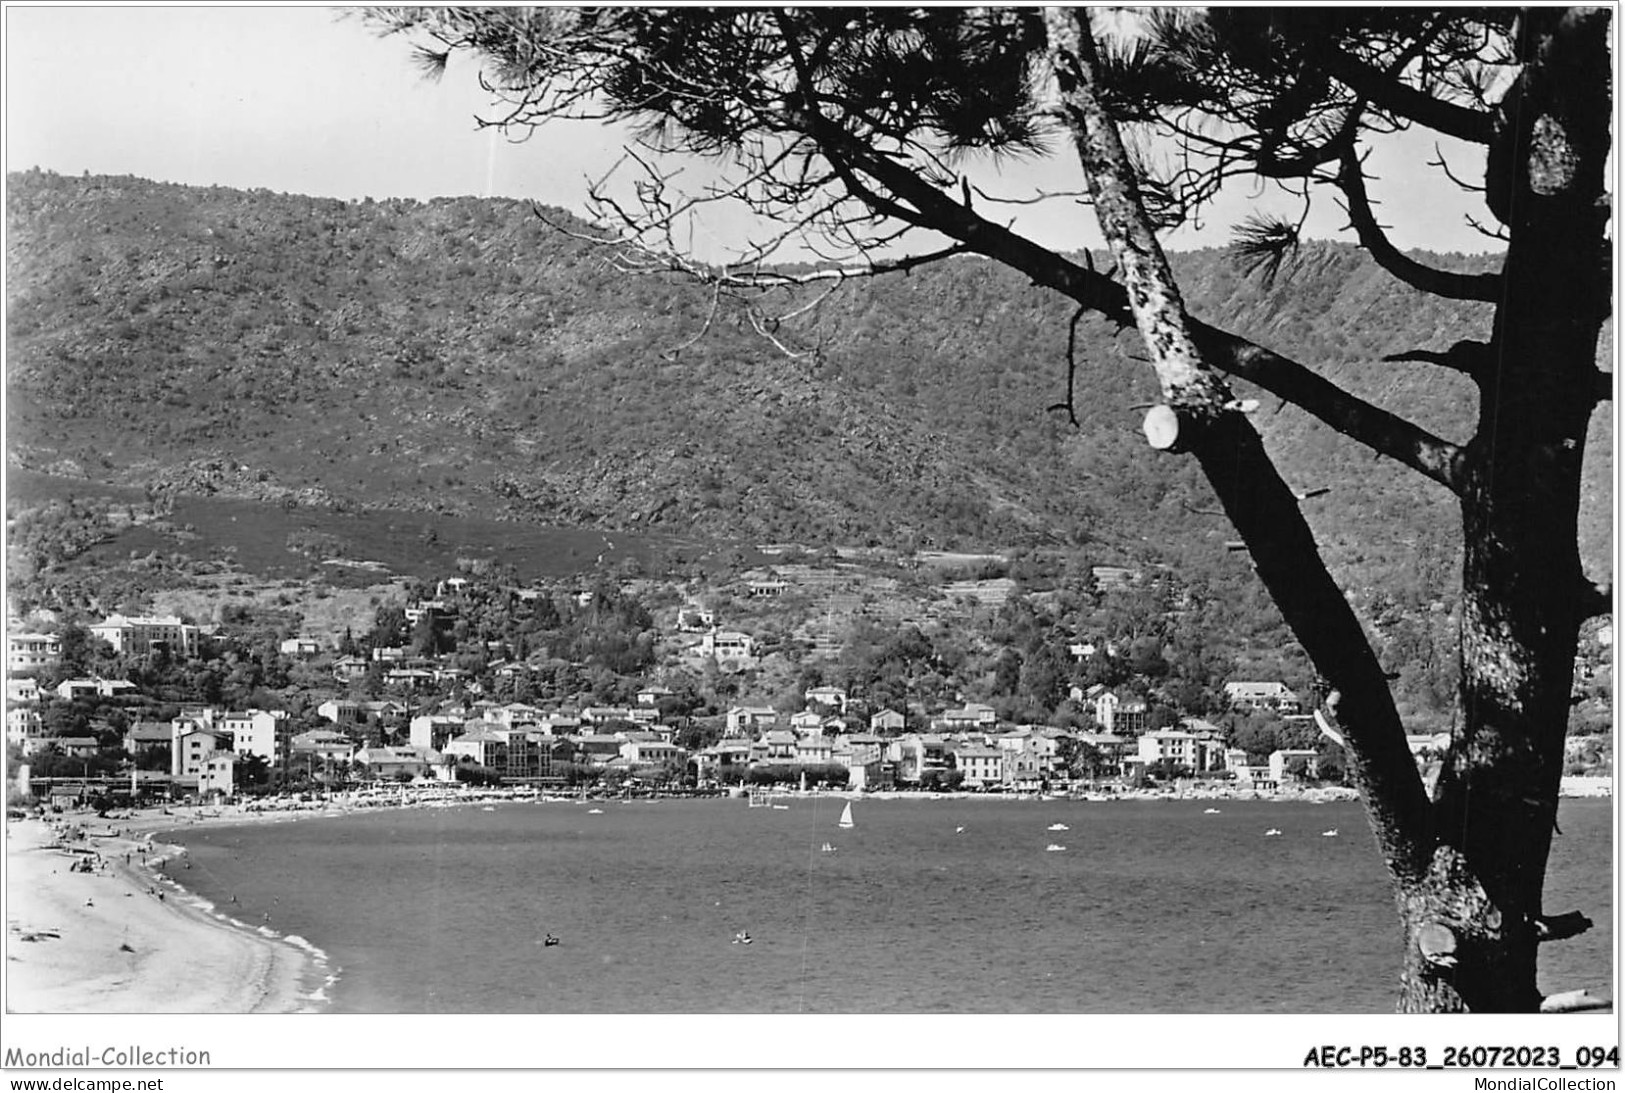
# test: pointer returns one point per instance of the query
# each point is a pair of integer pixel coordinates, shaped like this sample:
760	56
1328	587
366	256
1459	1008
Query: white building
434	730
218	775
652	753
982	766
827	696
728	645
70	689
1121	716
1262	695
974	715
25	652
192	750
254	732
1174	745
341	711
1283	760
137	635
887	721
322	744
741	719
24	727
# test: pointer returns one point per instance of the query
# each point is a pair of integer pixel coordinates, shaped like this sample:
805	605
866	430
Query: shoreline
124	937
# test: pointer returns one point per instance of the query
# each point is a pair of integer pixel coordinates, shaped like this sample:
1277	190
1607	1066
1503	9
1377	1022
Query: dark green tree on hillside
848	129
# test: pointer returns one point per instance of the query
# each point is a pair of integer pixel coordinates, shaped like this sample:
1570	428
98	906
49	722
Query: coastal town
452	686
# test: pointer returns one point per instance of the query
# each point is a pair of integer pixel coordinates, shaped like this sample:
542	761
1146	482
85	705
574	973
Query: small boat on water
846	817
1053	847
1330	833
782	808
1272	831
1058	827
742	938
826	849
595	812
1210	812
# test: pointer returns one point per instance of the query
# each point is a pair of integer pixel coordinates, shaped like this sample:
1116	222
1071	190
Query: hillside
460	357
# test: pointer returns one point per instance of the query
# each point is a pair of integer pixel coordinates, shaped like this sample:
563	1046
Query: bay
1152	907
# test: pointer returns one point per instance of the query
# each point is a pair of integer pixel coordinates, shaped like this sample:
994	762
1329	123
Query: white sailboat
846	816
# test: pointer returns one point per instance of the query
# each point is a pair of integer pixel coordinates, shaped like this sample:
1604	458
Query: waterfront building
254	732
981	765
652	753
722	758
1285	761
390	763
219	775
325	744
192	748
1195	751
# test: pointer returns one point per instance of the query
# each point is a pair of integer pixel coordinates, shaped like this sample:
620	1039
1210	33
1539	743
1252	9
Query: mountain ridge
458	355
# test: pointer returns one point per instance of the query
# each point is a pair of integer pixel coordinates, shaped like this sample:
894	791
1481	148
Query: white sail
846	816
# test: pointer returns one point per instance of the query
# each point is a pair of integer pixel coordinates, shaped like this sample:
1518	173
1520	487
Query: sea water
924	906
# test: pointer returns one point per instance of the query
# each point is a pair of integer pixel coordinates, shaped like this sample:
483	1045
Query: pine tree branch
1392	96
1378	429
1455	286
1466	357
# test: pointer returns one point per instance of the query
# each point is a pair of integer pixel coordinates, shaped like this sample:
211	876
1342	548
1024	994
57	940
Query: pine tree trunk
1496	801
1469	869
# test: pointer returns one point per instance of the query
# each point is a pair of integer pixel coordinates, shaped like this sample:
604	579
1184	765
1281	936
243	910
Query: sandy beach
103	941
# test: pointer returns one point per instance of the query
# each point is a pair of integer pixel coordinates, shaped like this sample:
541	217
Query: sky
296	99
